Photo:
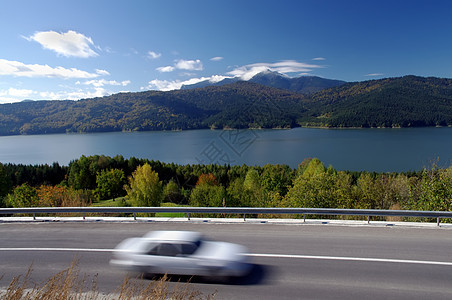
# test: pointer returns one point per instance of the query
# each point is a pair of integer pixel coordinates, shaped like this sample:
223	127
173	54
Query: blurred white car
181	253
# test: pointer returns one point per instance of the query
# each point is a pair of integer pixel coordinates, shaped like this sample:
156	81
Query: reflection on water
382	150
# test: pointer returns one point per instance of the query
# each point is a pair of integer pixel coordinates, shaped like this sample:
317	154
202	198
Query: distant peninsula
270	101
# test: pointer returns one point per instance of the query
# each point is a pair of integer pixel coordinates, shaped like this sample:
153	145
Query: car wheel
149	272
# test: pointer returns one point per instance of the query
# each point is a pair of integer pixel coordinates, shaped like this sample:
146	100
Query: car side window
167	249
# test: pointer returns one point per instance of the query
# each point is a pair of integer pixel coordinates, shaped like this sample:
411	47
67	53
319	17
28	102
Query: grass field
123	202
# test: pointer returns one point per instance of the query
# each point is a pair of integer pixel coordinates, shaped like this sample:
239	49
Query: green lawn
119	202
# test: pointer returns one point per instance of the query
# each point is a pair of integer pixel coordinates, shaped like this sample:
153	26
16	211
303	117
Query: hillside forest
408	101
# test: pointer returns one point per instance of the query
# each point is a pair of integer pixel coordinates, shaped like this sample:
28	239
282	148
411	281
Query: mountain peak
269	73
302	85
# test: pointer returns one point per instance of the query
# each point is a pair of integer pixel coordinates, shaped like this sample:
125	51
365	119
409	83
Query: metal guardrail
232	210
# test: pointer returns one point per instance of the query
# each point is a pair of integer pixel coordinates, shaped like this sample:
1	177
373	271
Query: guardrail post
437	221
244	217
34	216
304	218
188	216
135	216
368	219
83	216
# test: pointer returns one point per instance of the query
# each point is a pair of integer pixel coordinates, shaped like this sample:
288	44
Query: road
290	261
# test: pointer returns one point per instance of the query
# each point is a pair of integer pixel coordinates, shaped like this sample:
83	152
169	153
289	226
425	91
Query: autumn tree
51	196
208	179
144	187
207	192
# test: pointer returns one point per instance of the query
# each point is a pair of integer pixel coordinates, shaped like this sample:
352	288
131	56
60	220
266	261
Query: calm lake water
381	150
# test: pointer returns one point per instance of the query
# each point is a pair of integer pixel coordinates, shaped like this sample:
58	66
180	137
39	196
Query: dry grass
70	285
395	219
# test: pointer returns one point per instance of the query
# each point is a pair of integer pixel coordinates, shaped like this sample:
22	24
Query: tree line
144	182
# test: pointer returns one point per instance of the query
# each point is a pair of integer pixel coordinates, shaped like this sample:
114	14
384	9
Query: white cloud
12	95
374	74
216	58
108	50
244	72
103	82
319	58
15	95
286	66
165	85
247	72
217	78
165	69
153	55
193	65
102	72
74	95
181	64
19	92
15	68
67	44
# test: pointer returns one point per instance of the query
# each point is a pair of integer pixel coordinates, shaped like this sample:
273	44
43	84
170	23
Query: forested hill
306	85
241	104
393	102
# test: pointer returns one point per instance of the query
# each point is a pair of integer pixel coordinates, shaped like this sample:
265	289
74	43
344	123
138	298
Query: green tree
23	196
253	195
434	190
205	195
367	191
172	193
277	178
5	184
314	187
110	184
236	193
251	182
144	187
80	176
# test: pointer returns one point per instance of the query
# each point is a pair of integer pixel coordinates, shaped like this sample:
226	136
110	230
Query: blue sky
81	49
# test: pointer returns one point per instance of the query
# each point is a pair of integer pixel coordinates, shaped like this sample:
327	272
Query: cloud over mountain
246	72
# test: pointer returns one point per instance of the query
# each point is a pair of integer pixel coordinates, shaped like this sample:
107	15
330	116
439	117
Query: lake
381	150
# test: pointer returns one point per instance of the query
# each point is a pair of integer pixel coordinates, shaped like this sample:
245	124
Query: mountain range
303	85
307	101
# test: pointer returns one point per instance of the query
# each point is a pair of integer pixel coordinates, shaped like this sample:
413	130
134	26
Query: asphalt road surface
290	261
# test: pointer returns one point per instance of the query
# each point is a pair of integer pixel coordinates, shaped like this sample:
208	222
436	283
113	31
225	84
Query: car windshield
190	248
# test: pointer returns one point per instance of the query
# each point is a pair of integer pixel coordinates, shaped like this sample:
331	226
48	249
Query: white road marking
296	256
365	259
58	249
